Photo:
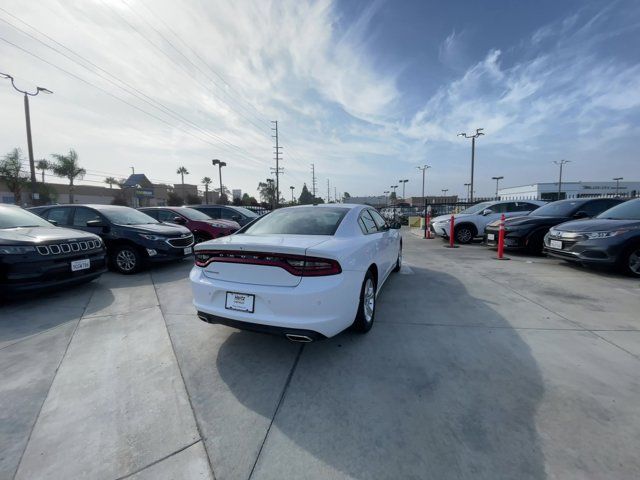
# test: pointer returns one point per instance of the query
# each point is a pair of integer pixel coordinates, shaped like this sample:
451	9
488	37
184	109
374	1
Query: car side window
151	213
58	215
367	223
166	216
528	207
228	214
212	212
82	215
595	207
379	221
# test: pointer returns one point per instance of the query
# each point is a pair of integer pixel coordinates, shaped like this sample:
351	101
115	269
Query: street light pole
404	183
473	154
468	190
617	179
386	197
292	200
27	116
561	163
424	169
444	191
497	179
220	164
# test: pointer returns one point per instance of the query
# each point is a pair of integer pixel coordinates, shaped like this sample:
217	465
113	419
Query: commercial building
549	191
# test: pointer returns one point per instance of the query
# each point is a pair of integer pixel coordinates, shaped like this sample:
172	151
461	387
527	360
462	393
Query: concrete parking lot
475	368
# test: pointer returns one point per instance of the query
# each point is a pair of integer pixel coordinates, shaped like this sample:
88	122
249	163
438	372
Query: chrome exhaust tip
298	338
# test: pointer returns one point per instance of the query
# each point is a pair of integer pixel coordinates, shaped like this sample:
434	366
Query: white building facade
549	191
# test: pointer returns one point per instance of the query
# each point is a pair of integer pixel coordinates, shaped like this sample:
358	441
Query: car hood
293	244
533	220
37	235
159	228
597	225
444	218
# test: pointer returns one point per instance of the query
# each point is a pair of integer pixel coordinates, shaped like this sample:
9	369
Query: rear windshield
629	210
299	221
563	208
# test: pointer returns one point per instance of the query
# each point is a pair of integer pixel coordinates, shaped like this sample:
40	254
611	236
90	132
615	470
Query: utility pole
313	180
617	179
561	163
386	197
497	179
292	199
335	194
27	117
277	170
473	154
328	192
468	185
424	169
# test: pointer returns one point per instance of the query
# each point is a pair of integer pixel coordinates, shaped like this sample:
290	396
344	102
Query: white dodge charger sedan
305	272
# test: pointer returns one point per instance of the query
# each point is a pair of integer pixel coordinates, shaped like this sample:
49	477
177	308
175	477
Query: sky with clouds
366	91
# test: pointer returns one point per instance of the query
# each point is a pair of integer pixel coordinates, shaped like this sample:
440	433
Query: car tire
630	261
126	259
200	237
464	233
367	305
399	260
535	244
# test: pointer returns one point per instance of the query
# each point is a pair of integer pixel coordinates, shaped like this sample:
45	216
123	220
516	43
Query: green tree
182	171
346	197
246	199
12	174
237	202
43	165
193	199
206	181
267	191
174	200
305	197
111	181
67	166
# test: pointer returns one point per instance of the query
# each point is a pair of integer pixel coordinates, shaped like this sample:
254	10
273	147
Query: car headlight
151	237
16	249
219	225
595	235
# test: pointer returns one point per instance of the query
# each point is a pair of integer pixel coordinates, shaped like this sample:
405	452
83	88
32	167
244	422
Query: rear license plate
80	265
188	250
240	301
491	236
557	244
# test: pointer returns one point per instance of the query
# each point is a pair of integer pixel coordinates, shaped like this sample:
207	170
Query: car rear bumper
511	241
324	305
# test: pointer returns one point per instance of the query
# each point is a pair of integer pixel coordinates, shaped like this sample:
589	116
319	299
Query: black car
527	232
132	238
611	239
36	255
228	212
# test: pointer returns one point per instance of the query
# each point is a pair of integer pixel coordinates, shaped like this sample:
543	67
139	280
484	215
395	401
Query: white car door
389	252
376	237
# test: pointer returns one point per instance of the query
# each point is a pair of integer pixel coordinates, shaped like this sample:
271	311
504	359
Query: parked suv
472	221
36	255
527	232
227	212
132	238
200	224
611	239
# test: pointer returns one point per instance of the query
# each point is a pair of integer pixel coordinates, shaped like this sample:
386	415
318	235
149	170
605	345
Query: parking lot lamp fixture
444	191
424	169
292	199
27	116
473	154
617	179
403	182
561	163
468	189
497	179
386	197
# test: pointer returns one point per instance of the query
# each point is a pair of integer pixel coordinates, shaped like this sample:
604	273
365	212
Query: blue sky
364	90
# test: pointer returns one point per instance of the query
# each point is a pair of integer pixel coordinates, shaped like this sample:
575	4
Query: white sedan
305	272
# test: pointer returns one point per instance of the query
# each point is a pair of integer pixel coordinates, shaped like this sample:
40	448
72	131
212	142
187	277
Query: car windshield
193	214
299	221
625	211
477	208
562	208
246	212
17	217
127	216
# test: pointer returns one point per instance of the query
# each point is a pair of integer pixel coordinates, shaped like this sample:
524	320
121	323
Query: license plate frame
555	244
240	302
491	237
187	251
78	265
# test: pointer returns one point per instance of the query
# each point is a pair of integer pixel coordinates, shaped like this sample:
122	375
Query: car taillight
298	265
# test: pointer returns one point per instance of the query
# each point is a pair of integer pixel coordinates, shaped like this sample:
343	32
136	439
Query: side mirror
96	223
179	220
487	211
395	225
581	214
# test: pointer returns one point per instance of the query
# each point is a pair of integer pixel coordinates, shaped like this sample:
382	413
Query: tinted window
367	222
477	208
228	214
127	216
629	210
595	207
500	208
16	217
58	215
562	208
83	215
166	216
212	212
299	221
380	223
520	207
246	212
151	213
193	214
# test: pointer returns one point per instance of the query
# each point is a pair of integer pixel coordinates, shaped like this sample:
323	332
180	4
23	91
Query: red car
202	226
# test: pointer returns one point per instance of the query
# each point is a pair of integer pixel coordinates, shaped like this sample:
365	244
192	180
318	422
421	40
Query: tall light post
617	179
444	192
424	169
386	197
27	116
292	188
497	179
404	183
473	154
468	190
561	163
220	164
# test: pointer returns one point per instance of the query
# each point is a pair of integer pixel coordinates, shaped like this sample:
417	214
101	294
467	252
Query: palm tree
110	181
206	181
67	166
43	165
182	171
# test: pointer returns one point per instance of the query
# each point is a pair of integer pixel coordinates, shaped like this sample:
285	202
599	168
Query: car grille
185	241
69	247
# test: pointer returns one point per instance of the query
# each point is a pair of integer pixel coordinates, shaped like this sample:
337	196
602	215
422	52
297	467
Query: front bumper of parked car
578	248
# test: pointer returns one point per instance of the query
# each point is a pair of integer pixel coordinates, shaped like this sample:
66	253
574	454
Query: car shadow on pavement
414	398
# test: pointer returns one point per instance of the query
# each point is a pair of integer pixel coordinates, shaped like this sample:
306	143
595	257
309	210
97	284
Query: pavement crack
155	462
275	413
